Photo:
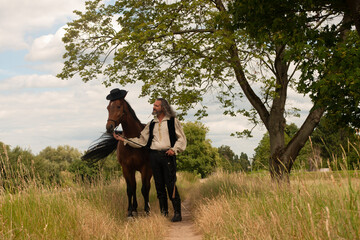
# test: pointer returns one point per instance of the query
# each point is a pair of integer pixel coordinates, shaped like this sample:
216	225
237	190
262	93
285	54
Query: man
165	138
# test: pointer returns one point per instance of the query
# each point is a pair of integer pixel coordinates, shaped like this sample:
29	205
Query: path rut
186	228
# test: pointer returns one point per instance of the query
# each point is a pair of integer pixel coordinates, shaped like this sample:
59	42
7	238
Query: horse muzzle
111	125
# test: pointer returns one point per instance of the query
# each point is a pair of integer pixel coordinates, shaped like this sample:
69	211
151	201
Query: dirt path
184	229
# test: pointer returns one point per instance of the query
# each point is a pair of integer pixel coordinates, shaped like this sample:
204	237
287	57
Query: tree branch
300	138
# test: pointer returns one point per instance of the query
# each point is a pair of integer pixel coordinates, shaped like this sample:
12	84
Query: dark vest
171	128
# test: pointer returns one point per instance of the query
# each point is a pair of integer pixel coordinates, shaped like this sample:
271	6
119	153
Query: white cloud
32	81
49	48
19	18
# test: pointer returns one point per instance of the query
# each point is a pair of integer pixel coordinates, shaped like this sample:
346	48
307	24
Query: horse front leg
145	189
131	193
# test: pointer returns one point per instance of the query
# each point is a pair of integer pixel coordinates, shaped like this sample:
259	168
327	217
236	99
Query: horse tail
101	148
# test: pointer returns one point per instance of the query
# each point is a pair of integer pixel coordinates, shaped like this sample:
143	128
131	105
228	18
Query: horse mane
132	112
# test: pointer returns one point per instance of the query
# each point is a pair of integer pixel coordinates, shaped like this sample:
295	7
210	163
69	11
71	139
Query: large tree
183	49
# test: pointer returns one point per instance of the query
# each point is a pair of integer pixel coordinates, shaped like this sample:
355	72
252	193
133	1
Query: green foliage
20	167
232	162
56	160
87	171
199	157
60	166
154	44
181	50
337	142
338	76
62	154
262	154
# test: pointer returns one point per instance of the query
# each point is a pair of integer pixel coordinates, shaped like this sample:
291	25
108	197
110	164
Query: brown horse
131	159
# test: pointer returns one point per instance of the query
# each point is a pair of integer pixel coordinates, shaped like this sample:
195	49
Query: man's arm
180	144
136	142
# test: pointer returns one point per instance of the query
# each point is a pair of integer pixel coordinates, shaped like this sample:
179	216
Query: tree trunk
282	158
277	123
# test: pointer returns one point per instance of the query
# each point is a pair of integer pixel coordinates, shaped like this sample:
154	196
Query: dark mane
131	110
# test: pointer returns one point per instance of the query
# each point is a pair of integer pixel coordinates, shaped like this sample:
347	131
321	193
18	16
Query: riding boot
177	210
164	207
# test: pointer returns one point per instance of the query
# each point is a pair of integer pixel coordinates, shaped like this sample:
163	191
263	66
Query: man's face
157	108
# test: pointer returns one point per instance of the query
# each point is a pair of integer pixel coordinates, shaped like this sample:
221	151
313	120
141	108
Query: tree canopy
181	50
199	157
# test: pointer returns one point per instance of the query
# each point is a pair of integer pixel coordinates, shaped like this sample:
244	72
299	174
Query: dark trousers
164	172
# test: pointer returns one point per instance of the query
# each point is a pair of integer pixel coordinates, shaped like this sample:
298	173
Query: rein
119	132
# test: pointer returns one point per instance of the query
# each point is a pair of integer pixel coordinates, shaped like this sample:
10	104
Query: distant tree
244	162
261	156
110	167
59	158
199	157
83	170
87	171
15	167
227	158
61	154
230	161
337	142
19	166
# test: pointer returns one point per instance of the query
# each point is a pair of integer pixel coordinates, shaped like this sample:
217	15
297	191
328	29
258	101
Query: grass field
225	206
314	206
96	212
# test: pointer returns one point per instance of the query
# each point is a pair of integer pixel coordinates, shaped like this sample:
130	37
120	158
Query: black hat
116	94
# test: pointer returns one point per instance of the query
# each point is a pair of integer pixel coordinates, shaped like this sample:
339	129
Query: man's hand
170	152
118	137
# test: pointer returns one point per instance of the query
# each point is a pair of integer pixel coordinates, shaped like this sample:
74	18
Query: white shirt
161	140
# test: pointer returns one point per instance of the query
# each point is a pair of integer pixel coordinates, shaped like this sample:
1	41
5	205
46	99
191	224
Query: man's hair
165	106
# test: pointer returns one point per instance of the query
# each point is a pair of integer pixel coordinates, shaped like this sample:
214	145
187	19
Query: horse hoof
132	214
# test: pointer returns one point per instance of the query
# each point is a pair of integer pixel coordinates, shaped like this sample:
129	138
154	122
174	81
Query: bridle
117	122
112	120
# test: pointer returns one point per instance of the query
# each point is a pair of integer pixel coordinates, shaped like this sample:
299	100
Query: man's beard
155	113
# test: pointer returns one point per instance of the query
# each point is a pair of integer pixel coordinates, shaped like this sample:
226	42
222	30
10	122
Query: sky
38	110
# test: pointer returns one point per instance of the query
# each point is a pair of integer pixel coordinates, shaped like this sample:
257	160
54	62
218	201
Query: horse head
117	113
116	109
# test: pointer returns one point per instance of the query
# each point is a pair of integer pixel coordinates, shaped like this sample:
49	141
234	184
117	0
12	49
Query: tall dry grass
84	211
314	206
35	214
